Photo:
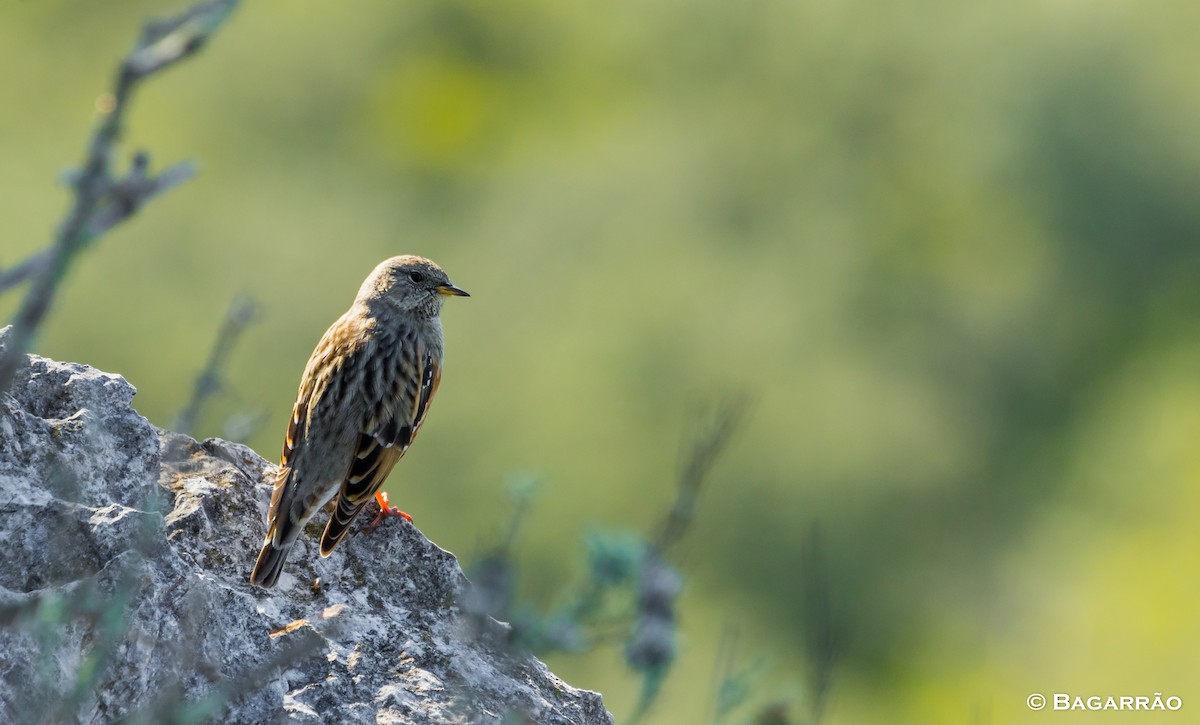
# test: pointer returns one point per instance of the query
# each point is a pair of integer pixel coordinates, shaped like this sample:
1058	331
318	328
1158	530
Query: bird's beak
449	290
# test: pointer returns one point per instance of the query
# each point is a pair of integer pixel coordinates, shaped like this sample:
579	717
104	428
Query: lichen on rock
124	588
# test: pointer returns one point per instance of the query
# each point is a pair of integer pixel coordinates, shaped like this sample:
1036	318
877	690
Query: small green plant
629	587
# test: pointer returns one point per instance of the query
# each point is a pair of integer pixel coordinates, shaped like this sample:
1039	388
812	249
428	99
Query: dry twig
242	312
709	442
103	198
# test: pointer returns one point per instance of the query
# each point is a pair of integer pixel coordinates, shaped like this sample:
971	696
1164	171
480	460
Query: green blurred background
952	248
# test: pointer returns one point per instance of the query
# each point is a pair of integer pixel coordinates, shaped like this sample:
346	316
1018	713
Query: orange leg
386	509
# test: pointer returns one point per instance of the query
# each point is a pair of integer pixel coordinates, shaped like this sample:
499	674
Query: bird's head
409	284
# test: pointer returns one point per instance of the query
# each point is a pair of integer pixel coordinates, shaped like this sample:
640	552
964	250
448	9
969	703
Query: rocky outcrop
124	593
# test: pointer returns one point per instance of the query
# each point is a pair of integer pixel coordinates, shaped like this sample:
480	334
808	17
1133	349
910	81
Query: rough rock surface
124	593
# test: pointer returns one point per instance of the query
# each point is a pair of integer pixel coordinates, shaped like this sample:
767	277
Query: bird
363	397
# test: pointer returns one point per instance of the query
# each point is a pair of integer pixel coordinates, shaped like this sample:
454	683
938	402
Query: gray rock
124	592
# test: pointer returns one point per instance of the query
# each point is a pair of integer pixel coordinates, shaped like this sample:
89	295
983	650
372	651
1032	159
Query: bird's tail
269	564
281	532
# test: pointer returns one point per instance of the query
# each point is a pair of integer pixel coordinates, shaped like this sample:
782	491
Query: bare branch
22	271
823	638
243	311
131	193
707	445
103	200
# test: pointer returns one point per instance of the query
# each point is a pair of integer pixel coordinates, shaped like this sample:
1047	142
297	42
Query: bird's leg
386	509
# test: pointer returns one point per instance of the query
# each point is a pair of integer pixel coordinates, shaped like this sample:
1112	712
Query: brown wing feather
295	432
387	436
284	512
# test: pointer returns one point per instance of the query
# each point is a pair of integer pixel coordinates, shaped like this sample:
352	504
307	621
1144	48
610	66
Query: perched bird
363	396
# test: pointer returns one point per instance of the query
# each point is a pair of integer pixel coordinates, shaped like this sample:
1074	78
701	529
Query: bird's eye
416	277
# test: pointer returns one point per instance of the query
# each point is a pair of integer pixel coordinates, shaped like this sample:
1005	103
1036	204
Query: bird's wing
294	499
321	386
399	398
283	495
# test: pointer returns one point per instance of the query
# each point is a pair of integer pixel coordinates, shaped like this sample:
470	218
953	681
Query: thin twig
102	199
23	270
242	312
706	447
822	636
173	700
723	670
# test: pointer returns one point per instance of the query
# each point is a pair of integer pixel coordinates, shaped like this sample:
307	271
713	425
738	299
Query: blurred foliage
952	247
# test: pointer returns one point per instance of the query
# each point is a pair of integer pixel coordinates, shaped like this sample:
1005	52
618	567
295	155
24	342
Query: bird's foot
386	510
